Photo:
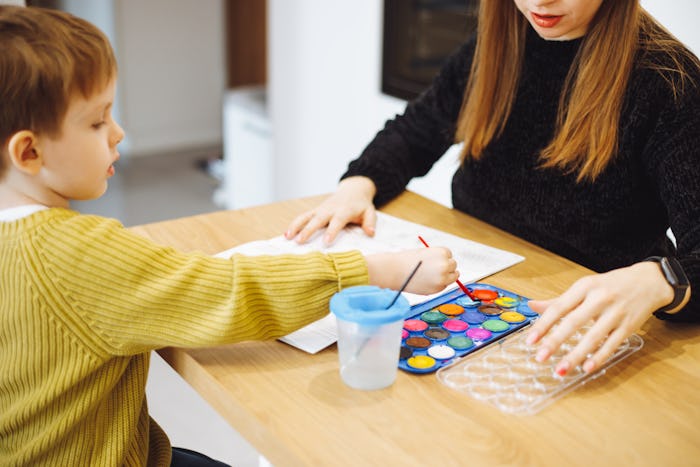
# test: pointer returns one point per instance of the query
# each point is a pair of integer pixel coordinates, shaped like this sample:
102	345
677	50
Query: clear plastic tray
507	376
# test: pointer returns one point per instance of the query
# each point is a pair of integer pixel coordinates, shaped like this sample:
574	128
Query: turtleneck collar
550	51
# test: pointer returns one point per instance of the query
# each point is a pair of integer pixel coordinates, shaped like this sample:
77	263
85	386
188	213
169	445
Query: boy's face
78	162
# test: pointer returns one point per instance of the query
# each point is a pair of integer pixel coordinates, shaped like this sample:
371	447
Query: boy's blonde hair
46	58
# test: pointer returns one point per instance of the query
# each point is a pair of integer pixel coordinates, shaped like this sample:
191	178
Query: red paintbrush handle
461	286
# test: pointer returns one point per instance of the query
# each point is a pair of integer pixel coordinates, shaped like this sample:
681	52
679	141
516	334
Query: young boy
83	301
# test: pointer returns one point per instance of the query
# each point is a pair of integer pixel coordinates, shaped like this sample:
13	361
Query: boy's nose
117	134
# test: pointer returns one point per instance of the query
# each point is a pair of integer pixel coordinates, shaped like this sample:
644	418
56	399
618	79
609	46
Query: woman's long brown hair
586	134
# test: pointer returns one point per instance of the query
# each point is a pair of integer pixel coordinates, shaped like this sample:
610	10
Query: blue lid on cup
367	304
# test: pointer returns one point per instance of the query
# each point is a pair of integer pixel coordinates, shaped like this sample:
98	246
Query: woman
580	124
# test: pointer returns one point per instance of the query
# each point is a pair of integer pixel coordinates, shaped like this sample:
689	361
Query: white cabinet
248	165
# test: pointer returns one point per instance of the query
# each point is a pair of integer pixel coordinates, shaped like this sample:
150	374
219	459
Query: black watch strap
676	278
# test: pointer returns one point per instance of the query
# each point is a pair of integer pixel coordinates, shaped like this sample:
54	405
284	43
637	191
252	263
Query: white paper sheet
474	261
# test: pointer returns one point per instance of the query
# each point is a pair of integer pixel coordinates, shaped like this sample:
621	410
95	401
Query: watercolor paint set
451	326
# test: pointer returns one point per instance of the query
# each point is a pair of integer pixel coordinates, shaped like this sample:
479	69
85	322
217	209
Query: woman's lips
545	21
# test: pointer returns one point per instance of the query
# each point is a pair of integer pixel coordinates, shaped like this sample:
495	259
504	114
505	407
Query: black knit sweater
652	183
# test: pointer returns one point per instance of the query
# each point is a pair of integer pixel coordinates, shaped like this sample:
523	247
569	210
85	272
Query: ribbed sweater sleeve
411	143
123	294
83	302
671	158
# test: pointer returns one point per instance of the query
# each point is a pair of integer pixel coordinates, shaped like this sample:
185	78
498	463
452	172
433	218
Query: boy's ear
24	153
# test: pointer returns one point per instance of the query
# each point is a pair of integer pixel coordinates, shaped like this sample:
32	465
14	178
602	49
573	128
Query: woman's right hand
351	203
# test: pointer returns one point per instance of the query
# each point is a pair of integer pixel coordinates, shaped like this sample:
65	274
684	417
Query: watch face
676	278
674	273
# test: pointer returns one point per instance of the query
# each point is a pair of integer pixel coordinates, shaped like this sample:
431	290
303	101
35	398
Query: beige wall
171	79
171	70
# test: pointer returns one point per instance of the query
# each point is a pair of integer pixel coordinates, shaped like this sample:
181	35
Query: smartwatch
676	278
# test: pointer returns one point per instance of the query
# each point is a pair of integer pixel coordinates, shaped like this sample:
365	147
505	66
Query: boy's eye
98	125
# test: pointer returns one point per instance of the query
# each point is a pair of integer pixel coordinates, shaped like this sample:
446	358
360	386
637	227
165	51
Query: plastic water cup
369	335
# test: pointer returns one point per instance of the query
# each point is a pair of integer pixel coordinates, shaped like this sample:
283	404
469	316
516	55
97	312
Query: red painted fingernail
562	368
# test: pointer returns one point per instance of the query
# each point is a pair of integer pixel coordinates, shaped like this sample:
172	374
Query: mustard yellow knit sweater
83	302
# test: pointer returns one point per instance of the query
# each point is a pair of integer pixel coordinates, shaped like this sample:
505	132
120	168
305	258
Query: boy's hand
389	270
351	203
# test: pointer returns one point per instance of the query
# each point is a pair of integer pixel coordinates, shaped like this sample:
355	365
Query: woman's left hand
617	302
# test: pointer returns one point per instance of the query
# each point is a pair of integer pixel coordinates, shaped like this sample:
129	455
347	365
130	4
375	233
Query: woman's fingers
553	310
297	224
369	221
317	221
604	308
600	335
351	202
565	328
605	351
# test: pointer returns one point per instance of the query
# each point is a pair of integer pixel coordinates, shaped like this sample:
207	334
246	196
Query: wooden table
295	410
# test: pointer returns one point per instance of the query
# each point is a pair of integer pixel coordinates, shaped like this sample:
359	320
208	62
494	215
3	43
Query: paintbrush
459	283
396	297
